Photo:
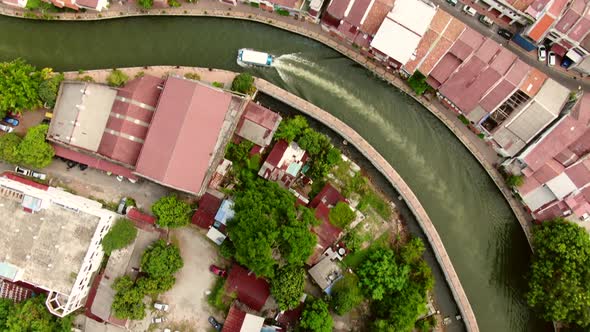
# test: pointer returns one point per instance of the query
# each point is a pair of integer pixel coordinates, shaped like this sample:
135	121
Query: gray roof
49	246
81	114
325	273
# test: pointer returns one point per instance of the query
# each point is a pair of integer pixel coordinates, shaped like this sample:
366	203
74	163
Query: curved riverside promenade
396	181
347	133
212	8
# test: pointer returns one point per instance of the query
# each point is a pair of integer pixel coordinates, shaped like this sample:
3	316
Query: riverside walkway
211	8
396	181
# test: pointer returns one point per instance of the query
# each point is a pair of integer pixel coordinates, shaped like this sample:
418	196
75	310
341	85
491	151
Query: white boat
248	57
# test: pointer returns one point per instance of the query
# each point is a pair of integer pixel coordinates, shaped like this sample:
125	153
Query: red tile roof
234	320
204	217
250	290
336	8
256	114
93	162
27	182
541	27
277	152
328	195
579	173
136	215
183	135
326	232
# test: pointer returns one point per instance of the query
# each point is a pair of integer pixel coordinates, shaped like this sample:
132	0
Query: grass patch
463	119
354	259
372	199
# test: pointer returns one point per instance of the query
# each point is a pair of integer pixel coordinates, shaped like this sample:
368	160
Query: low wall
396	181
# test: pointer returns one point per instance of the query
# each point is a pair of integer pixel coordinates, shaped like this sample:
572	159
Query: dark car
215	323
11	121
505	33
218	271
71	164
83	167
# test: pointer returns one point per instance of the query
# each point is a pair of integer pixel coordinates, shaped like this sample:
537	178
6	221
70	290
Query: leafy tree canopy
19	83
341	215
346	294
117	77
31	315
152	286
243	83
287	286
323	154
316	317
290	129
171	212
128	301
400	312
161	259
48	89
119	236
34	151
418	83
9	147
559	282
266	220
380	274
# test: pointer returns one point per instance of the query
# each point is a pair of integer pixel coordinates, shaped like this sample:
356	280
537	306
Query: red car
218	271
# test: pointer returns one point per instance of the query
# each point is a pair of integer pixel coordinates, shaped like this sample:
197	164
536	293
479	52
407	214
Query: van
469	10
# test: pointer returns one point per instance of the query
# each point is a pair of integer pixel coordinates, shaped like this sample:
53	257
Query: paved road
558	75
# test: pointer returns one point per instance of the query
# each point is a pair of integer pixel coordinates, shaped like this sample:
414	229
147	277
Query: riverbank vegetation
26	88
559	284
31	315
159	263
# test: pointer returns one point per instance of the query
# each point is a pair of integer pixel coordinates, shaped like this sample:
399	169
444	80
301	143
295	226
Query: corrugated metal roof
250	290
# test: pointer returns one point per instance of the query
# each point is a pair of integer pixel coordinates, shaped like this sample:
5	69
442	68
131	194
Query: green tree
341	215
314	142
559	282
323	154
418	83
400	312
316	317
34	151
119	236
412	251
265	223
5	306
9	147
32	315
19	83
287	286
243	83
346	294
117	77
171	212
154	286
128	301
48	89
161	259
290	129
380	274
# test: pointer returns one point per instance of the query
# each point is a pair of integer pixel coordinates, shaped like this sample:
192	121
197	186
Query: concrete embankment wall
396	181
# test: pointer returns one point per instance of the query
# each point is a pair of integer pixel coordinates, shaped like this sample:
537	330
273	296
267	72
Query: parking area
188	299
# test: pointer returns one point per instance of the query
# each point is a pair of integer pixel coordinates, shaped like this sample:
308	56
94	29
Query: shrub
117	78
140	74
515	180
171	211
341	215
218	85
34	151
254	4
418	82
119	236
463	119
173	3
243	83
146	4
227	249
346	294
86	78
282	12
192	76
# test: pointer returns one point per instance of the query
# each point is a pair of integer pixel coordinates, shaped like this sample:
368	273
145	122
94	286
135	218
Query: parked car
469	10
216	325
161	306
158	320
11	121
551	59
6	128
39	175
505	33
23	171
71	164
83	167
542	53
452	2
486	20
120	178
218	271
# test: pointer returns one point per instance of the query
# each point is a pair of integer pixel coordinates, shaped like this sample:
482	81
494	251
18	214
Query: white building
401	31
51	239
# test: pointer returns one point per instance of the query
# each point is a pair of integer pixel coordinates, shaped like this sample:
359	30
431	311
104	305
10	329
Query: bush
140	74
173	3
463	119
254	4
34	151
227	249
146	4
192	76
515	180
86	78
171	212
9	148
341	215
119	236
282	12
418	82
243	83
117	78
218	85
48	89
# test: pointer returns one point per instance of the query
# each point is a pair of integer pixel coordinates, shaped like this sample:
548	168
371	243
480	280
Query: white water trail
292	65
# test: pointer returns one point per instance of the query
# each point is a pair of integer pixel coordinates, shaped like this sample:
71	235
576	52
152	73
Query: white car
469	10
161	306
158	320
23	171
542	53
38	175
120	178
6	128
551	59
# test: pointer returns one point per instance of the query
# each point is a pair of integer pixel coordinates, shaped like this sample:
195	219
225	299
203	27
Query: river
481	235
